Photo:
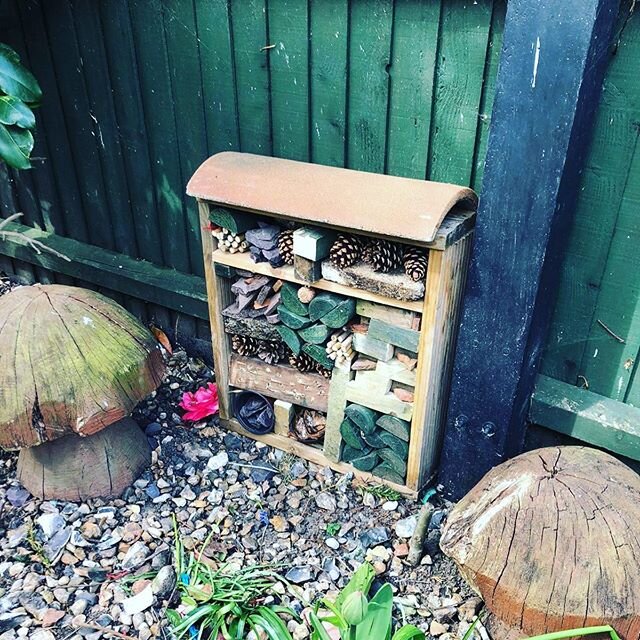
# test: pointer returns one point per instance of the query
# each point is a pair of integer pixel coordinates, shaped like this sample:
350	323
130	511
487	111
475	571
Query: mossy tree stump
549	540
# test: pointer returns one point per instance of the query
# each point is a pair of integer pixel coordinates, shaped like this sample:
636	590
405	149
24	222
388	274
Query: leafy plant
572	633
357	618
19	94
225	603
333	528
380	491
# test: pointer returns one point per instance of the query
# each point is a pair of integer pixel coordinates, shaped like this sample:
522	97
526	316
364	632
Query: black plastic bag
254	412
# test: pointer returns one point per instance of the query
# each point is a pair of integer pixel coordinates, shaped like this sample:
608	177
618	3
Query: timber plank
413	62
288	74
369	58
280	382
328	22
464	38
248	21
137	278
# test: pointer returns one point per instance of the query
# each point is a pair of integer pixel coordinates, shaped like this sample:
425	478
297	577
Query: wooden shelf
316	456
244	261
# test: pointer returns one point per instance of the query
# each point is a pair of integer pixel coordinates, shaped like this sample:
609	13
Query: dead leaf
161	337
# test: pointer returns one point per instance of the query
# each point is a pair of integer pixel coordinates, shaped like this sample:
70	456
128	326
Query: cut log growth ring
71	361
549	540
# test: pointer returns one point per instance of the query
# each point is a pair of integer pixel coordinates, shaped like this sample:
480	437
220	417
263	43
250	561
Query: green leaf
377	622
15	80
14	111
319	632
573	633
15	146
409	632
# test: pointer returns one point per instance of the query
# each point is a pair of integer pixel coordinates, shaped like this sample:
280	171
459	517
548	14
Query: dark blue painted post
548	87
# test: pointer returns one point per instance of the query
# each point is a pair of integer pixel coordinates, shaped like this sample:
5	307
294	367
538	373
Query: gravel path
67	565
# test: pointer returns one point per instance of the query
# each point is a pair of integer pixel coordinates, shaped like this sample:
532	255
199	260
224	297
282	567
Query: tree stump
550	541
76	468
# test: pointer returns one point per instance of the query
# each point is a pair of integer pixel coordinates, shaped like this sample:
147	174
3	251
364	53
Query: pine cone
415	263
271	352
285	246
383	255
244	345
345	251
303	362
323	371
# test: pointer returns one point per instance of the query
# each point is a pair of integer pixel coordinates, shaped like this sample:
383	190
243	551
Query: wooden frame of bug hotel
335	294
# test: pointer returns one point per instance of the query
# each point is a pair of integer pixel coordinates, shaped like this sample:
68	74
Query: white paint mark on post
536	60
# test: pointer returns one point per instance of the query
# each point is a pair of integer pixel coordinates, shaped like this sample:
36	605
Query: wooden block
335	412
322	304
404	338
397	372
292	320
398	464
362	343
391	285
399	428
253	327
280	382
362	417
340	315
351	434
397	317
290	338
312	244
283	411
386	403
307	270
319	354
373	381
235	221
315	334
289	297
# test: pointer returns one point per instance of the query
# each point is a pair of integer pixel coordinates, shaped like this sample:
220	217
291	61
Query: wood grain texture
76	469
548	541
72	362
281	382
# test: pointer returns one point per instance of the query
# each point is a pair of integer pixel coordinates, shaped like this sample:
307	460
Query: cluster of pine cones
381	255
273	352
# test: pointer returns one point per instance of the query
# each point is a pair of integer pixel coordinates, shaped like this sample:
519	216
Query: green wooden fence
591	387
139	92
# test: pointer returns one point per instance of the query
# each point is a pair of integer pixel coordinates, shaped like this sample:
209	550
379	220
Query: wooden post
548	88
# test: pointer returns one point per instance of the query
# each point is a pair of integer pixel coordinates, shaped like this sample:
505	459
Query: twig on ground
416	543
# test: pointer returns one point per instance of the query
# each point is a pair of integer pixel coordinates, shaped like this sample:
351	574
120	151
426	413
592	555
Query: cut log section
73	468
549	541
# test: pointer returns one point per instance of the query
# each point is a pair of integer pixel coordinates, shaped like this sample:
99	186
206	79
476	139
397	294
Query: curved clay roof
369	202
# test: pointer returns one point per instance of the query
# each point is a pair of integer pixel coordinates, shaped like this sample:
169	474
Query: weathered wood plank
586	416
397	317
397	336
386	403
280	382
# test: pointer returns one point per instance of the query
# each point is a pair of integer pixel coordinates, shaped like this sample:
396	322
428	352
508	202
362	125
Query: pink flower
202	403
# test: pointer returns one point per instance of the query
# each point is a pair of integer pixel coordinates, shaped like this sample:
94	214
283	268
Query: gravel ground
67	567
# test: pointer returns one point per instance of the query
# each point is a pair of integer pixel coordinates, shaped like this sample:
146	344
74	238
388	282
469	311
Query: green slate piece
290	338
391	458
388	473
351	435
340	315
322	304
399	428
319	354
292	320
316	333
399	446
366	462
363	417
289	298
374	440
233	220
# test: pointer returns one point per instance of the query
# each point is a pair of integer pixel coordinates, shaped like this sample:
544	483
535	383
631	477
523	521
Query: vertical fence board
130	128
289	71
157	100
370	31
329	32
414	47
461	60
249	24
218	75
